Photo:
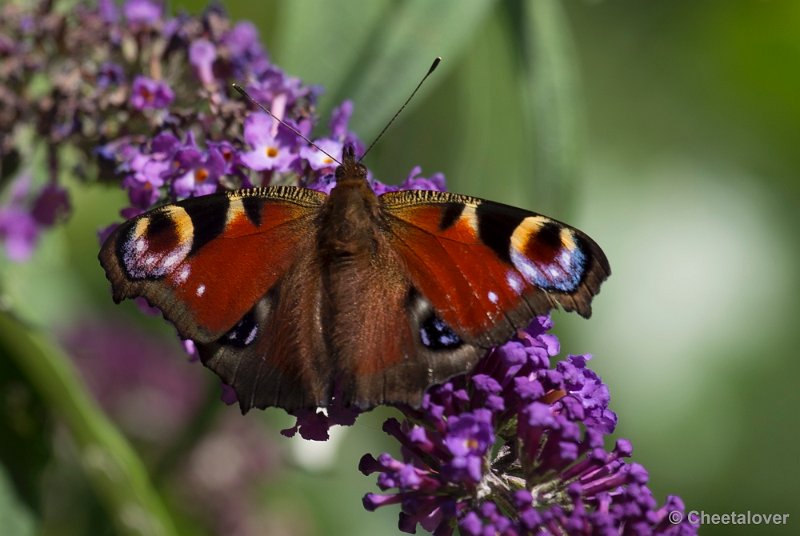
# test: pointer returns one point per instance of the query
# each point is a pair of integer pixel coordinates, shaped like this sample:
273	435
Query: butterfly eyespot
437	335
547	254
243	333
562	273
155	245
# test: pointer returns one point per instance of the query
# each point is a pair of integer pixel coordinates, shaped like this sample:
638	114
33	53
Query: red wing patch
484	265
206	261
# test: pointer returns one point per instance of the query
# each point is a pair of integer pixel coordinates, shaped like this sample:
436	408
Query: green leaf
492	145
26	429
15	518
117	474
550	97
374	52
515	137
320	41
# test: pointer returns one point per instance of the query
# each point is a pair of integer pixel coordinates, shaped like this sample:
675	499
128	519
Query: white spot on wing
172	260
251	336
201	289
514	282
183	274
492	297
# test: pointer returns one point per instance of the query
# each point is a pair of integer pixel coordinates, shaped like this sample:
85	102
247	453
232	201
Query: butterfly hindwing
351	329
488	268
275	355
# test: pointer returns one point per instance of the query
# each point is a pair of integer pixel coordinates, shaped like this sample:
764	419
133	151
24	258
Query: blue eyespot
437	335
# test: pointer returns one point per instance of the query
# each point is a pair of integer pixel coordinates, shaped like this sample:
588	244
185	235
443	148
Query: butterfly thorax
349	219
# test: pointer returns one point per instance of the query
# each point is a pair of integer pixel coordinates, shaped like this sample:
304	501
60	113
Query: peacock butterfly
298	299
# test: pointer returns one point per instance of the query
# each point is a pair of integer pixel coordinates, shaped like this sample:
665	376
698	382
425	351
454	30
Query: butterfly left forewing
206	261
232	272
489	268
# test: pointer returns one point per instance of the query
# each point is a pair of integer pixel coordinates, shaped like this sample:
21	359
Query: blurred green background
668	131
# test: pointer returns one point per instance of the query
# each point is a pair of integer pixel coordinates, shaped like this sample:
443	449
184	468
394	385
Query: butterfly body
298	299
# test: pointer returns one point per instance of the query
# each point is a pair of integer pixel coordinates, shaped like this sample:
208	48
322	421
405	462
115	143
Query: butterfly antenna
434	65
247	96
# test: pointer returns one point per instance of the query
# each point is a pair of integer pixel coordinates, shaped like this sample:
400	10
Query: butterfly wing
217	267
486	268
242	274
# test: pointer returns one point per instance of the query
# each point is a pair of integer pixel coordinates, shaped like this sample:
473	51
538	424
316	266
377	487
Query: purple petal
318	160
19	233
202	54
52	204
142	11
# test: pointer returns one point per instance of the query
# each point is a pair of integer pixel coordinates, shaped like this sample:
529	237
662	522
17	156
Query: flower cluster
148	98
27	212
517	447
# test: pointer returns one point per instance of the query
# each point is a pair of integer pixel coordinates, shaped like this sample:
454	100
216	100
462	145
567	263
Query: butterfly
297	299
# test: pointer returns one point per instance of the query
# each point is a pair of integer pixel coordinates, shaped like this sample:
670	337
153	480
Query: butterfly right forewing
486	268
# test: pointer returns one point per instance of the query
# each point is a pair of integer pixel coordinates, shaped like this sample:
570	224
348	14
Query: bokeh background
669	131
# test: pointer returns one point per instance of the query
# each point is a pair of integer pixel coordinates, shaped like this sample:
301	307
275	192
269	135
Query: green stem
117	474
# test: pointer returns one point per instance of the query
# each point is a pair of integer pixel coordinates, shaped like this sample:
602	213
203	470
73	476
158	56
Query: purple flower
314	424
516	447
271	146
50	205
19	233
242	40
108	10
202	54
415	182
26	213
147	93
324	183
319	160
228	153
110	74
125	107
198	172
142	12
340	118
